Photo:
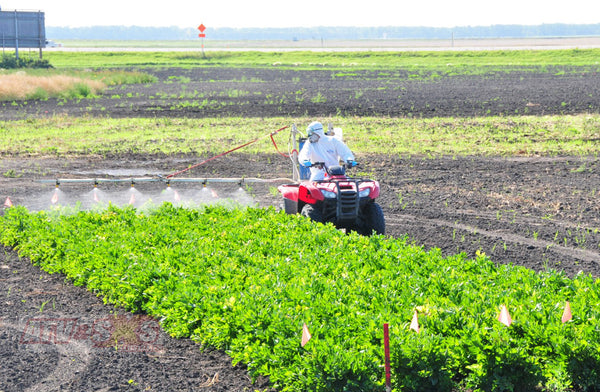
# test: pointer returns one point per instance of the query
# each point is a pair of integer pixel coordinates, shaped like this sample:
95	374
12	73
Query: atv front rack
348	202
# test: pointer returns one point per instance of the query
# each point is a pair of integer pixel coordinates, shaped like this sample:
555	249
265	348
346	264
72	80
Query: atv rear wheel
313	213
373	220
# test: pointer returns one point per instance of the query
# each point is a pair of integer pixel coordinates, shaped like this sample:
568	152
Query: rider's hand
306	163
351	163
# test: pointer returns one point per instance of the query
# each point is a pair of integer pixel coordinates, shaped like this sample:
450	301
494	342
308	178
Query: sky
309	13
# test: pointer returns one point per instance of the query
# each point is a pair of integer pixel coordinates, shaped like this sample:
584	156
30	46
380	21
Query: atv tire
373	220
311	212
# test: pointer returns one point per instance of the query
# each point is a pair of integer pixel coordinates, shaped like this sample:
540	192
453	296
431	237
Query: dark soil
209	92
538	212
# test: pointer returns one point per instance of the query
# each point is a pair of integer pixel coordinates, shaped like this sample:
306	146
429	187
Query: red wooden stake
386	344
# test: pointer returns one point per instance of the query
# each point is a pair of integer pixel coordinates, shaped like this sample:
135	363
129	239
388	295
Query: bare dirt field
538	212
236	92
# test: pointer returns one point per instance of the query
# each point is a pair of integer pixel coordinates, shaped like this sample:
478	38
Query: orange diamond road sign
201	28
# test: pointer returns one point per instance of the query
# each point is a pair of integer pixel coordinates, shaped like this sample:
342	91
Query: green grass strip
446	62
245	280
447	136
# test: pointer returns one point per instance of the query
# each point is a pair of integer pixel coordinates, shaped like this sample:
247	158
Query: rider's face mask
313	138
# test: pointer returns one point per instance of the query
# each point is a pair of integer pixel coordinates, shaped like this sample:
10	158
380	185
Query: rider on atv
322	148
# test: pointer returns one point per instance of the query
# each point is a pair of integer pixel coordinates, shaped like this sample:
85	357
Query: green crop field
247	280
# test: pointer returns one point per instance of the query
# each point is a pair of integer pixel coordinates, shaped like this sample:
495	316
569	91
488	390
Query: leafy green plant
319	98
39	94
246	280
11	173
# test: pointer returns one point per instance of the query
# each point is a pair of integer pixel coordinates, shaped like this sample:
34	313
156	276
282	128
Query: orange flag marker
567	315
305	335
504	316
414	323
7	202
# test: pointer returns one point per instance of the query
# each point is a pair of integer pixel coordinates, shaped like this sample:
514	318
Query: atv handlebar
318	165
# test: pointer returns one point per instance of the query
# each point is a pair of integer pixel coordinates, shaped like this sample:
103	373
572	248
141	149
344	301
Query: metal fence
22	29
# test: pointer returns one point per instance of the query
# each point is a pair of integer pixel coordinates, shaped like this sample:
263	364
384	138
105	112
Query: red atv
348	203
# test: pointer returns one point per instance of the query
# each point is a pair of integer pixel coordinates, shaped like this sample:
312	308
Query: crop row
246	280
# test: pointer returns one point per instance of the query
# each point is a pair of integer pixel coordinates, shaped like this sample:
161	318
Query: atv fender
289	191
374	190
303	193
296	196
309	193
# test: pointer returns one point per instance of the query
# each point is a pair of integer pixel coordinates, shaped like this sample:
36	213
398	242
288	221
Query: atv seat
337	171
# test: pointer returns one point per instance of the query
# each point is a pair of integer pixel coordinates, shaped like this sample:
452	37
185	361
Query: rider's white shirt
328	150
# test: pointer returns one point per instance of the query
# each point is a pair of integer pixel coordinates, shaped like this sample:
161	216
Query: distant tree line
329	33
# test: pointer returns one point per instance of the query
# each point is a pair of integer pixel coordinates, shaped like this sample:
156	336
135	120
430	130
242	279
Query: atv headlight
365	192
328	194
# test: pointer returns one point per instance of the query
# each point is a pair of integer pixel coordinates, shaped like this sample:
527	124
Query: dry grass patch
22	86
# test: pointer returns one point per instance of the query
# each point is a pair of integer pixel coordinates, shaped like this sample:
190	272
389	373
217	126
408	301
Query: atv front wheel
311	212
373	220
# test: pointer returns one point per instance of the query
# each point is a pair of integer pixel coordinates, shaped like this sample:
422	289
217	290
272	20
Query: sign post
202	36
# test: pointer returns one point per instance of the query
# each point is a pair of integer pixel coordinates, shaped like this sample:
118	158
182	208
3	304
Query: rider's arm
343	151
